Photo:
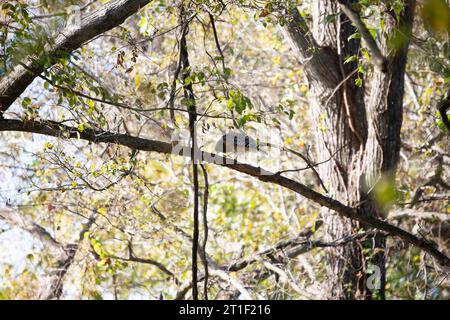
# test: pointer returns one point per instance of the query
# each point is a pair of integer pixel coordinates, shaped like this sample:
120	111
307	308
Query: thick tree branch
69	39
55	289
55	129
320	63
385	105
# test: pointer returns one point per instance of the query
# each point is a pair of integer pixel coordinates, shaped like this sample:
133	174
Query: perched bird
237	142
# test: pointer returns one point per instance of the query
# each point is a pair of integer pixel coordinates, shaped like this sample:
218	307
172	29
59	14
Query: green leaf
137	81
373	32
80	127
442	126
330	18
356	35
162	86
365	54
226	73
385	192
26	102
350	59
290	114
143	25
188	102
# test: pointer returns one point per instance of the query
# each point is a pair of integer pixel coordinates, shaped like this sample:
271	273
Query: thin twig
189	96
205	231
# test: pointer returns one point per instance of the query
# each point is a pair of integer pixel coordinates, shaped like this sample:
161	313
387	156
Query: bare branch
411	213
55	289
282	252
159	265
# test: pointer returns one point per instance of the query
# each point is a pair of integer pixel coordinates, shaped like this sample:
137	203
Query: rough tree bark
359	125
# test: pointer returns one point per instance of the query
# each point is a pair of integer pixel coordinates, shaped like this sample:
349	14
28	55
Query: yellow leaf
428	91
384	192
137	80
48	145
304	88
80	127
276	60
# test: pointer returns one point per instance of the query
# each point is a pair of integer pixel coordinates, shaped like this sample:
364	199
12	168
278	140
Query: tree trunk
340	117
361	148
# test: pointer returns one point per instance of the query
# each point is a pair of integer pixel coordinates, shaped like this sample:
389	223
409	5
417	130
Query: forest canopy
225	149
